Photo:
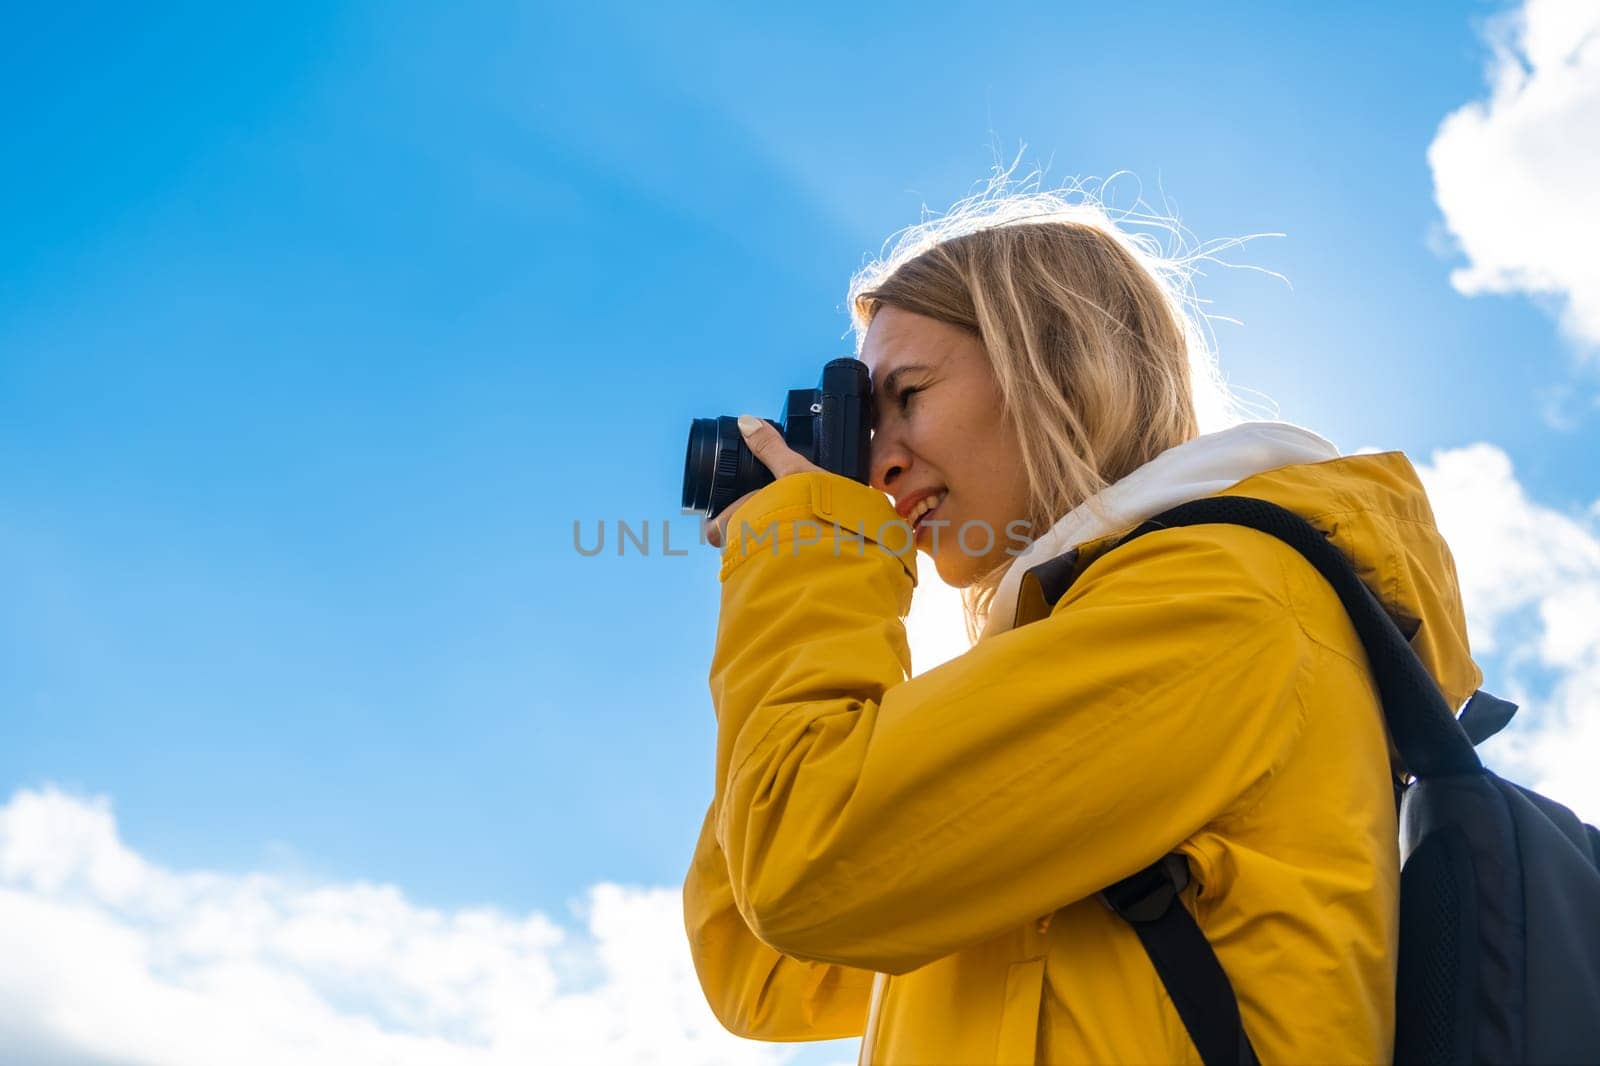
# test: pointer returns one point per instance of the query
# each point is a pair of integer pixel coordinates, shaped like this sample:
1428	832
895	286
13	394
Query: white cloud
1510	552
1530	582
1515	174
107	958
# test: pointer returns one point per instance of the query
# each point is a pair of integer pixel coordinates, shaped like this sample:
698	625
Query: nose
889	460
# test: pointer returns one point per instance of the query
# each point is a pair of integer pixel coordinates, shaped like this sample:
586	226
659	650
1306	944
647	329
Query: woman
917	859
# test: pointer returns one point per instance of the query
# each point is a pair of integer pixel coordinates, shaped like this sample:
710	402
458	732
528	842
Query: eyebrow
894	376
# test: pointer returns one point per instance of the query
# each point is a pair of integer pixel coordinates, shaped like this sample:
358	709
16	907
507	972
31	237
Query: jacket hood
1372	507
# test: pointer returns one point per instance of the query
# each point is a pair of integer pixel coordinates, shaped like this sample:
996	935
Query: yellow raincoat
1198	690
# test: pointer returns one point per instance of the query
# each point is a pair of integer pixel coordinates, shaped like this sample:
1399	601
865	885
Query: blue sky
320	326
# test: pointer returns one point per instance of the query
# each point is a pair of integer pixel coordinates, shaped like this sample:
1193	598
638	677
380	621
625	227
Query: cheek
997	481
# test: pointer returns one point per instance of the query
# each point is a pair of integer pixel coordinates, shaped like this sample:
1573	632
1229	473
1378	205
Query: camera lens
719	467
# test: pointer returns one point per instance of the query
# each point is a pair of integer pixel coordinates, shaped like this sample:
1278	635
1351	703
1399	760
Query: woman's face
939	430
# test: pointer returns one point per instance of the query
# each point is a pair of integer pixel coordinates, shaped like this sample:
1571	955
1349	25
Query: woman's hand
775	454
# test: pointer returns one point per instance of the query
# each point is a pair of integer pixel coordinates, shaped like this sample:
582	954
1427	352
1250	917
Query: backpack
1499	886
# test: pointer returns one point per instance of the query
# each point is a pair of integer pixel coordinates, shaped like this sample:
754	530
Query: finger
769	446
716	529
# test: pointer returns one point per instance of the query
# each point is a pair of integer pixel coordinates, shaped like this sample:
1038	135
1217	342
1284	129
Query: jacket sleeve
881	823
754	990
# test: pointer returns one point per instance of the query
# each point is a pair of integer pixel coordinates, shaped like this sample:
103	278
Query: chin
954	569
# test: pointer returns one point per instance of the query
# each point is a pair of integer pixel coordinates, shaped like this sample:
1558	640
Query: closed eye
905	395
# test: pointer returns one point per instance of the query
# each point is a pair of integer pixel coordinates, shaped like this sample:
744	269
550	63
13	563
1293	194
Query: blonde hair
1094	334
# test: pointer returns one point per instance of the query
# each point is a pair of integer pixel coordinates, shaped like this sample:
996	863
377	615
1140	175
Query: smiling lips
922	507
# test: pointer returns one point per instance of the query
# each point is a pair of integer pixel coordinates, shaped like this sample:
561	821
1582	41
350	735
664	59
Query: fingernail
748	424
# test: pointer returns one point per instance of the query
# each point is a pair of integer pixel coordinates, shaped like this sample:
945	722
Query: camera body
831	425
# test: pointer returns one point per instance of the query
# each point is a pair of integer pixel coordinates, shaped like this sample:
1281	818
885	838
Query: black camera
831	425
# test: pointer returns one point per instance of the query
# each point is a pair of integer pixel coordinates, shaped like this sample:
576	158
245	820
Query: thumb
761	437
768	445
752	428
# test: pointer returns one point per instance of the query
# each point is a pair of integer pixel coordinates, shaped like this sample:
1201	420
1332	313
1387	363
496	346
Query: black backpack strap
1183	959
1425	733
1485	715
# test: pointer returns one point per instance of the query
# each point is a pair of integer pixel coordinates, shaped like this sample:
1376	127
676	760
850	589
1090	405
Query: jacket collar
1204	466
